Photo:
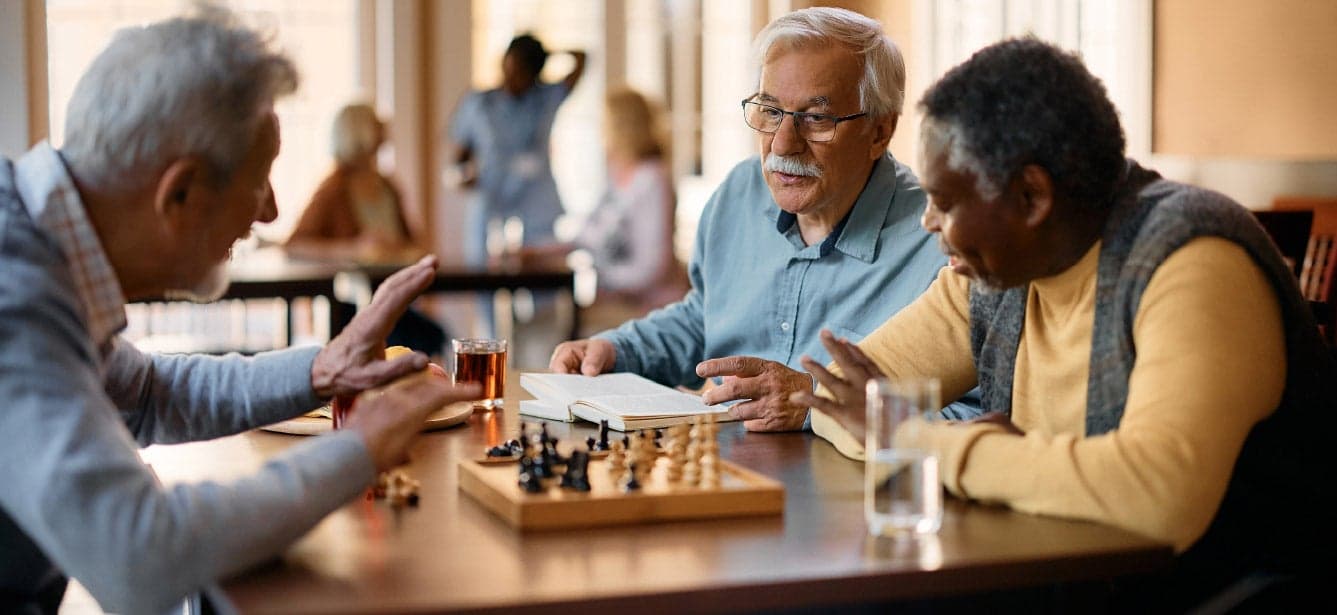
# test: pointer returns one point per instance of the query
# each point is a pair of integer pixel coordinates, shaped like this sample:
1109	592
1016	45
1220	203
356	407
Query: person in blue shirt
502	137
820	230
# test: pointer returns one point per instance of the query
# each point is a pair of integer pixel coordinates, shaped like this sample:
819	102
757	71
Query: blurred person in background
630	232
357	214
502	147
502	138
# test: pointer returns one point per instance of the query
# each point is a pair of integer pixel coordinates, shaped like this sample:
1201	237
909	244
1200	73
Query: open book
626	401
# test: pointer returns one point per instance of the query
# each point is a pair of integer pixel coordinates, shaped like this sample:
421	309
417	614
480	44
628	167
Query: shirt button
784	326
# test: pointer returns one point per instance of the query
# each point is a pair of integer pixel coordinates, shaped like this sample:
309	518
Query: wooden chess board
741	493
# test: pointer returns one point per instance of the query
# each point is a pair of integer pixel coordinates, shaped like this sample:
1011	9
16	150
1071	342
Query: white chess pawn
710	477
616	460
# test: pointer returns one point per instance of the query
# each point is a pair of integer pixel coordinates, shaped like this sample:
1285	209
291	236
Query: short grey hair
1023	101
882	87
950	139
188	86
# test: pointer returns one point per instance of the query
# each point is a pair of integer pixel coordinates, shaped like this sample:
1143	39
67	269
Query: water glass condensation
482	361
902	492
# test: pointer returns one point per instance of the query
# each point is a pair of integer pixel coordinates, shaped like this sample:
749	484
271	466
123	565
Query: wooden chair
1320	259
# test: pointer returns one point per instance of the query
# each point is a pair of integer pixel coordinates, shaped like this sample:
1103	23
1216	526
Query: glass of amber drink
482	361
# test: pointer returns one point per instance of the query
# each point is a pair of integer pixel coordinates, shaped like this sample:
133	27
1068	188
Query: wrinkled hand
352	362
590	357
848	389
390	418
769	386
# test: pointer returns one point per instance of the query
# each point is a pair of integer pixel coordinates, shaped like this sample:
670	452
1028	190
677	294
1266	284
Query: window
321	37
1112	36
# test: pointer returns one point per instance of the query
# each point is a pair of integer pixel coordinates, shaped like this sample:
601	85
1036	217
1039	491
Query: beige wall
897	20
1246	78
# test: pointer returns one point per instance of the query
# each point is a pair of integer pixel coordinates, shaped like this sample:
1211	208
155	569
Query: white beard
207	290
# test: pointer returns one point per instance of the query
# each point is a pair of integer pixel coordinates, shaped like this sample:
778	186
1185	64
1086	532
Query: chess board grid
741	492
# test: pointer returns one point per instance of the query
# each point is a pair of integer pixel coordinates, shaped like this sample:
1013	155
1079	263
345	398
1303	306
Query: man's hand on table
848	389
770	387
352	362
390	418
590	357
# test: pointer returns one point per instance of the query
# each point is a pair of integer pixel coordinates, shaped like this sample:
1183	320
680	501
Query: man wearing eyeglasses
820	230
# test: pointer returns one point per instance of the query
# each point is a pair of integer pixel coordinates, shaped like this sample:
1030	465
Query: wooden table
451	555
358	284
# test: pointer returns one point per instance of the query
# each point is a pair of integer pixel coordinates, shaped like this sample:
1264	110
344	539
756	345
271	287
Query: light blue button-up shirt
758	290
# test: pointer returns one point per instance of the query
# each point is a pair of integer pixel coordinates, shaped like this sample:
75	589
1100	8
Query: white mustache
792	166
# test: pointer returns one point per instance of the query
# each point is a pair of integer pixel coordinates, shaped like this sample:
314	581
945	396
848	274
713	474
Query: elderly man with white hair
171	135
820	230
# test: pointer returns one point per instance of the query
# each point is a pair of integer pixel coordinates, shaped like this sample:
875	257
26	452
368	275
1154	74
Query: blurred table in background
338	288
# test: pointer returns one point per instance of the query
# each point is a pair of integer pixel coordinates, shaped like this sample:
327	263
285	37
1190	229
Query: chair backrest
1290	231
1320	259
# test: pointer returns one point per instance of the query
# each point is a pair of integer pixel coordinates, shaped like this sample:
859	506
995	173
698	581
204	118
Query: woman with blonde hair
356	212
630	231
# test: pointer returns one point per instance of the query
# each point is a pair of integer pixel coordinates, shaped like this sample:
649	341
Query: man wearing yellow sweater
1145	353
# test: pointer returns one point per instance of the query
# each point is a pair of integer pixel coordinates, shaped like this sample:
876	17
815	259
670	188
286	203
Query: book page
569	388
554	411
672	403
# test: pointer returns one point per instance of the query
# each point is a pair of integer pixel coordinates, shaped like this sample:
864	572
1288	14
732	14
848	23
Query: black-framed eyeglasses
814	127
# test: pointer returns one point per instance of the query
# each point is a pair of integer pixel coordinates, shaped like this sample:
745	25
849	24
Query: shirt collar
857	233
48	192
785	221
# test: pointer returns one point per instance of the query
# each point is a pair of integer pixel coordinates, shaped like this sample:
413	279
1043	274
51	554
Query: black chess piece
577	475
659	435
543	434
603	436
543	464
632	483
555	456
590	444
500	450
529	479
516	447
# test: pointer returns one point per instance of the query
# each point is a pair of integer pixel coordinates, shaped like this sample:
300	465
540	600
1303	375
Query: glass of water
902	494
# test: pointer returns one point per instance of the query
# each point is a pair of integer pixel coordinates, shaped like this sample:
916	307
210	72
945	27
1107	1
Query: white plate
448	416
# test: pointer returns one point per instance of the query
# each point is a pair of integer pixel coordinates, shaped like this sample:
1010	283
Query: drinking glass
902	492
482	361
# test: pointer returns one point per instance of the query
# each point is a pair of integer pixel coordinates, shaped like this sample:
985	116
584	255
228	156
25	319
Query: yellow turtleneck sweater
1211	363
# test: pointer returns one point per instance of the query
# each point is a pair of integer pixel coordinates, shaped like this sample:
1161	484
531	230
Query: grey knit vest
1152	218
1286	464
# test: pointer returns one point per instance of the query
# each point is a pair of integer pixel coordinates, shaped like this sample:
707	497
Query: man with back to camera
1150	360
820	230
171	134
